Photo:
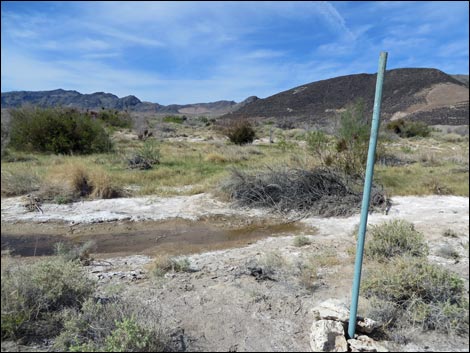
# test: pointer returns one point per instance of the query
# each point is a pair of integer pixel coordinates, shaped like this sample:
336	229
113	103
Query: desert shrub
450	233
318	145
5	138
319	191
423	294
285	123
115	118
174	119
272	261
146	156
58	131
165	263
111	325
395	238
31	294
348	152
301	240
80	253
406	128
19	182
305	269
448	252
240	132
284	144
353	140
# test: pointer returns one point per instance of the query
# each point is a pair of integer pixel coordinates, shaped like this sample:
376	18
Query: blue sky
188	52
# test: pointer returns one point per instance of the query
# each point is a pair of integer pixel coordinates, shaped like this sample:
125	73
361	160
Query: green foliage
31	293
353	140
115	118
406	128
421	293
174	119
285	145
146	156
58	131
301	240
128	336
240	132
111	326
318	144
395	238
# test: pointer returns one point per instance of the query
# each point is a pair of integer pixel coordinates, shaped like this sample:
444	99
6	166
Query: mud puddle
175	237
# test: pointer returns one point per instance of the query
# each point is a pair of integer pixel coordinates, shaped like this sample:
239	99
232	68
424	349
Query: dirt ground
220	305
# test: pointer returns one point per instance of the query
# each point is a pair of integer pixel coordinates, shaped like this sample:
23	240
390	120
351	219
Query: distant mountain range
98	100
419	94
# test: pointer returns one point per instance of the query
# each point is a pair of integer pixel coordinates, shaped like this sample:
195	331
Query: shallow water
175	237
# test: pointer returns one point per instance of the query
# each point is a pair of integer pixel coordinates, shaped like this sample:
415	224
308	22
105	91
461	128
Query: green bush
58	131
395	238
31	294
174	119
240	132
128	336
115	118
421	293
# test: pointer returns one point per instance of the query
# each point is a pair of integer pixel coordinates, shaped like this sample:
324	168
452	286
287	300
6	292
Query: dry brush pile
318	191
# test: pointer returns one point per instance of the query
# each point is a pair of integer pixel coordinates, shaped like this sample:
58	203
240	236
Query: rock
328	336
366	325
331	309
341	345
365	344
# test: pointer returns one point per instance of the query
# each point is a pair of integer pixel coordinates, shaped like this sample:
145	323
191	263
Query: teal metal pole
366	195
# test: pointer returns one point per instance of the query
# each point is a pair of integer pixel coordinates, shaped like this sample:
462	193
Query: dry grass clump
68	182
216	158
103	187
19	182
319	191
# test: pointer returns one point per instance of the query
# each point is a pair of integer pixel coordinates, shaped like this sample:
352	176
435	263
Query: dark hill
423	94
